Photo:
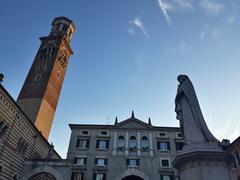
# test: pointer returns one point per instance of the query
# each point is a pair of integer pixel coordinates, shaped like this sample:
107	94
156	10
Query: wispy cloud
174	5
131	31
137	22
212	6
165	7
184	4
231	19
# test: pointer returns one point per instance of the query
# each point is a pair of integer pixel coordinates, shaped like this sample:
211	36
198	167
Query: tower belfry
40	93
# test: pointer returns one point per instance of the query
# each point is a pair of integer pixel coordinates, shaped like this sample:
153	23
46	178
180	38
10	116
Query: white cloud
131	31
140	25
165	6
185	4
174	5
212	6
231	19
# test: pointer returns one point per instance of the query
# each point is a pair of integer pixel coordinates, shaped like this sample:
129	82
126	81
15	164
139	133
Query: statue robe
193	125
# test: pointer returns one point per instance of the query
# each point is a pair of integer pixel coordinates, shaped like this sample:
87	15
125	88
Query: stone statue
193	126
202	157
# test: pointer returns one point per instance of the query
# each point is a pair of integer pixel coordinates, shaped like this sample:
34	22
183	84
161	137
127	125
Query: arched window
48	50
37	77
15	177
43	175
132	143
121	143
65	27
3	129
144	143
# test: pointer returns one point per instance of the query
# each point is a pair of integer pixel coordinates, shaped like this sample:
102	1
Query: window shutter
78	141
161	177
96	160
105	161
97	144
107	144
171	177
168	145
87	145
85	161
158	145
73	175
94	176
104	176
138	163
128	162
75	161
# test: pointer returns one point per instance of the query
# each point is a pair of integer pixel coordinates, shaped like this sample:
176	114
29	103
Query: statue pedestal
204	165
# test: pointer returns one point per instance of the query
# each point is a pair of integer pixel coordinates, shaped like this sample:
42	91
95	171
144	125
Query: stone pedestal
204	165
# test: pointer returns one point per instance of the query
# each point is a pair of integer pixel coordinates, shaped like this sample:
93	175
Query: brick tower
40	93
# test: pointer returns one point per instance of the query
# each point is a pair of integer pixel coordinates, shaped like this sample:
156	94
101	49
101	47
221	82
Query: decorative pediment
133	123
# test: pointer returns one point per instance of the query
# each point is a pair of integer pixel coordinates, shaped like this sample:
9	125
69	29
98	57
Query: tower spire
116	121
132	114
149	121
41	90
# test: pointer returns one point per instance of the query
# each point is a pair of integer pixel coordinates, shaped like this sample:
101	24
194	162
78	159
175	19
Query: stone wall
19	139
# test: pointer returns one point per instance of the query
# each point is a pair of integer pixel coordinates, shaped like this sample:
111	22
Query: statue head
181	78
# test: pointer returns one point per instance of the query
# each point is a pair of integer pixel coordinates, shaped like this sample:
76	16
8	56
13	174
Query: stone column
115	144
126	145
138	144
150	145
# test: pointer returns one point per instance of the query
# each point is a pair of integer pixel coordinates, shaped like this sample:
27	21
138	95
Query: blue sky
127	55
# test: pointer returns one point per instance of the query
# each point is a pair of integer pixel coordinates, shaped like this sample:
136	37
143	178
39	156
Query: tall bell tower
40	93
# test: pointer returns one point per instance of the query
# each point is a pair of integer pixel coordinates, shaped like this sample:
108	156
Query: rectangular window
99	176
81	161
77	176
179	145
178	135
163	145
103	133
101	161
164	163
133	162
84	132
162	134
166	177
102	144
82	143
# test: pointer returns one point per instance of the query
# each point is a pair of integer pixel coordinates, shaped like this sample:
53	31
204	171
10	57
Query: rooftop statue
193	126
